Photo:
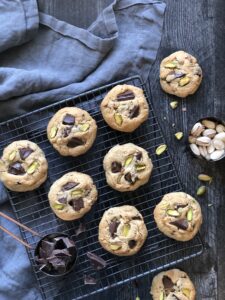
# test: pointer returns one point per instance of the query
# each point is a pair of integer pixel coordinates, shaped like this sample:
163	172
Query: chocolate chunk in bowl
56	254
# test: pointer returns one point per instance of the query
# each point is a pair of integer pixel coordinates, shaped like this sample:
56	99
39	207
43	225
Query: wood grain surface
197	27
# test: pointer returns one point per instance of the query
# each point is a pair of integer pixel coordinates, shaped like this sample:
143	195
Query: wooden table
197	26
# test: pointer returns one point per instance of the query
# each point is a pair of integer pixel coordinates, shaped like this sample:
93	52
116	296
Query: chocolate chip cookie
180	74
125	108
127	167
23	166
172	285
72	131
179	216
122	230
72	195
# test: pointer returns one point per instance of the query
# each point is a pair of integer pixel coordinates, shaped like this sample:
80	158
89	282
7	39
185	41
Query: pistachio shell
220	136
192	139
170	65
201	190
128	160
195	149
33	167
209	124
172	213
84	127
209	133
218	154
220	128
12	155
118	119
190	215
184	81
218	144
197	129
174	104
203	141
186	292
126	229
179	135
162	148
77	192
53	132
115	247
58	206
140	167
161	297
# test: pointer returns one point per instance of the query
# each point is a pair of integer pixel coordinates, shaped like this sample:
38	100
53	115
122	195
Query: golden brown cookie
172	285
122	230
23	166
72	195
180	74
127	167
179	216
125	108
72	131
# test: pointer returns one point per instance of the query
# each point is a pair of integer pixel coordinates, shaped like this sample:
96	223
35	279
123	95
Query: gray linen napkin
41	63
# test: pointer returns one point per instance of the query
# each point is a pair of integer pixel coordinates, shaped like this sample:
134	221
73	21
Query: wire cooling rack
32	208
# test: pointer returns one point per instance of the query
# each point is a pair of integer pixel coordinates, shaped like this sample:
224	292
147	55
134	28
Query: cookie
180	74
127	167
179	216
72	196
72	131
172	285
23	166
125	108
122	230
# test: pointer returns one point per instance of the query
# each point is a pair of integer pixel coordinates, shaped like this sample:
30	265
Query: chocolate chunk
80	229
16	169
74	142
77	204
132	244
167	283
89	280
181	206
25	152
66	131
134	112
116	167
139	155
127	95
181	224
113	227
128	177
68	120
97	262
179	74
69	185
63	200
137	218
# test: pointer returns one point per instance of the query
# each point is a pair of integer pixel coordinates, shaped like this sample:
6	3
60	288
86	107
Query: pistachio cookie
179	216
127	167
180	74
72	131
125	108
122	230
172	285
72	196
23	166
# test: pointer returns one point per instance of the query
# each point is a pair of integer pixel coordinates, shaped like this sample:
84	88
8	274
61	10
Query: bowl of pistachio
207	139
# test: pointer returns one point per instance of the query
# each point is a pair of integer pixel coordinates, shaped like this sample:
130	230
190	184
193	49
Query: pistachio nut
115	247
204	177
174	104
203	152
203	141
53	132
201	190
186	292
195	149
126	229
160	149
140	167
77	192
190	215
192	139
32	168
118	119
58	206
179	135
12	155
184	81
220	136
161	297
209	124
220	128
170	65
218	144
128	161
209	133
210	149
218	154
197	129
84	127
173	213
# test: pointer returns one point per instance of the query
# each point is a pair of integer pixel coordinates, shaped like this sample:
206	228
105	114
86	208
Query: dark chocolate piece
181	224
181	206
139	155
68	119
128	177
74	142
66	131
63	200
113	227
132	244
116	167
137	218
167	283
89	280
127	95
134	112
69	185
25	152
16	169
77	203
80	229
97	262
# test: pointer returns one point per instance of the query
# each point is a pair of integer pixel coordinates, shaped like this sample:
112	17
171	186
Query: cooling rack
32	208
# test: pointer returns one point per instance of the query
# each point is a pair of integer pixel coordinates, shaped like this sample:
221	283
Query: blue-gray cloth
43	60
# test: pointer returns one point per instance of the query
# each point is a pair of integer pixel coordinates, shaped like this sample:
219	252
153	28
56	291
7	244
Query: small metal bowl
203	150
54	273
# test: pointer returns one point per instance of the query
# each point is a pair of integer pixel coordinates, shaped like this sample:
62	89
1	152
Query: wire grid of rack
32	208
